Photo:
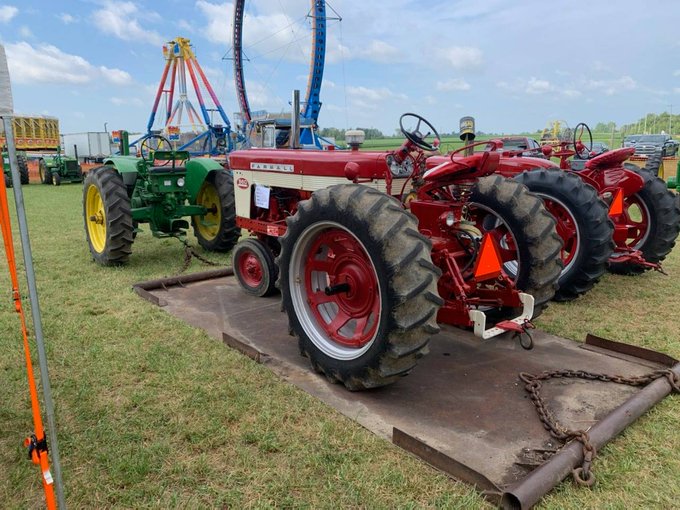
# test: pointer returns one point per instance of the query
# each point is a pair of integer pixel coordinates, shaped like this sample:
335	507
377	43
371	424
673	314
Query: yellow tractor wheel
216	230
107	216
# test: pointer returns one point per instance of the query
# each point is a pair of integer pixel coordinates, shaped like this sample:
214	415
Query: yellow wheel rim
208	226
96	218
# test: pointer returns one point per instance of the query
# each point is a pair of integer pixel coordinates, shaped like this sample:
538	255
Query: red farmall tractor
645	213
608	215
372	251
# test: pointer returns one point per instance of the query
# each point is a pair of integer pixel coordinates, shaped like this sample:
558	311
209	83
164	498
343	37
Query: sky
513	65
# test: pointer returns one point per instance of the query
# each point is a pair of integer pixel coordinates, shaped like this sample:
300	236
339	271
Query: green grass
153	413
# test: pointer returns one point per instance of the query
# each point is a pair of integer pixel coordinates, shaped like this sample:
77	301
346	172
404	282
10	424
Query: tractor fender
613	179
197	171
126	166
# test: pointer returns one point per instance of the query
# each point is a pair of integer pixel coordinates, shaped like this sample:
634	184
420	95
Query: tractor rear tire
654	162
23	168
107	216
217	230
44	172
662	211
533	229
583	224
56	179
358	285
254	267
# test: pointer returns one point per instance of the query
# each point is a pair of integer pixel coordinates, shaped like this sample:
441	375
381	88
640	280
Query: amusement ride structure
210	138
311	104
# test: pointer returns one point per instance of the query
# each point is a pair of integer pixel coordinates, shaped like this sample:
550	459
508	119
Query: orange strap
37	443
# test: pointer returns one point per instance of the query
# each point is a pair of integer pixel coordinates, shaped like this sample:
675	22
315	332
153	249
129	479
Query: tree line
650	123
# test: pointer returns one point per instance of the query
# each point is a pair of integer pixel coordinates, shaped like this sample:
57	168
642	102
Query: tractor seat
610	159
167	169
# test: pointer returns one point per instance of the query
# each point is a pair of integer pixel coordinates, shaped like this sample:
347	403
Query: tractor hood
514	164
329	163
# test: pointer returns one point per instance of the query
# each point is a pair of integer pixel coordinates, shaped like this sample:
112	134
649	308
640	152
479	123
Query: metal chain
583	475
190	253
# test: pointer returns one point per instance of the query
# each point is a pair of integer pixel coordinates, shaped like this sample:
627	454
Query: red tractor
371	250
645	213
609	215
582	219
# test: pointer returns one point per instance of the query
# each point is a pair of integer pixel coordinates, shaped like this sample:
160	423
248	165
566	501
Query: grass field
153	413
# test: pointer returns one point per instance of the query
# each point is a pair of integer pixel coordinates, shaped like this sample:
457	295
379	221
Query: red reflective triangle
488	260
617	204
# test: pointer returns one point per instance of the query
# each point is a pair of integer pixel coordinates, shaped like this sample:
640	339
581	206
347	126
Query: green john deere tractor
57	169
23	168
161	188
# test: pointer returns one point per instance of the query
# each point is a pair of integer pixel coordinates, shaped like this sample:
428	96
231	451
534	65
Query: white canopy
6	104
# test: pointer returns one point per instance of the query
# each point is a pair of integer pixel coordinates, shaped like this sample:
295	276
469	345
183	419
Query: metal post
35	310
295	121
670	121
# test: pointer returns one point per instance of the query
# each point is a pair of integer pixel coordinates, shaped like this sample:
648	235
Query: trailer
92	146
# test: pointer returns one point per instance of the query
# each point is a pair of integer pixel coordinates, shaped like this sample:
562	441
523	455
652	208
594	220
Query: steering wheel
416	137
145	145
582	150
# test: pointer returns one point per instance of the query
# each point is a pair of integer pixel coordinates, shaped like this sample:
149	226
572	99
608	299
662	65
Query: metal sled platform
463	409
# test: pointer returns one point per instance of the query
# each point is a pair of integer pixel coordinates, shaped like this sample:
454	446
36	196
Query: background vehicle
160	188
23	168
646	145
57	169
522	145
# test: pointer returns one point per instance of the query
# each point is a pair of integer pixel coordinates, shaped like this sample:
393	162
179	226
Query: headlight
180	182
450	219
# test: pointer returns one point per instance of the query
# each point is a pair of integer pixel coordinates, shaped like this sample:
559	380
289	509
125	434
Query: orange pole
37	443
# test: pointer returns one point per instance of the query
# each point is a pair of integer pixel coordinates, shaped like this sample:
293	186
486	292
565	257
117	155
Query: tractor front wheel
358	285
652	219
525	232
44	172
23	168
217	230
8	181
107	215
254	267
583	224
56	179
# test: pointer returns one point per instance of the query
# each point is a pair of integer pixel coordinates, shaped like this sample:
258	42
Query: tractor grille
72	166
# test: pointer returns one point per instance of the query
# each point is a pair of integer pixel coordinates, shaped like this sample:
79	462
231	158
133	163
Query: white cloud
218	29
452	85
25	32
7	12
66	18
116	76
537	86
379	51
571	92
125	101
121	20
378	94
48	64
462	57
611	87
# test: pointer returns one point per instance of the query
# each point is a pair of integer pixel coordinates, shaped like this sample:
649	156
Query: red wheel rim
566	228
349	317
250	269
635	222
